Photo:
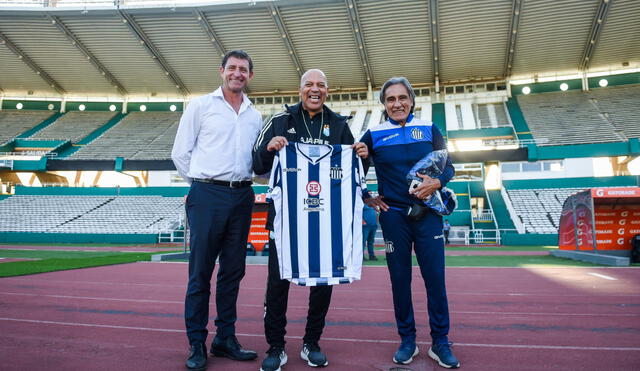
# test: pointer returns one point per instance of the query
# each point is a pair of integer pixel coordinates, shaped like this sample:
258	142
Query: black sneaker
313	355
373	257
443	355
276	358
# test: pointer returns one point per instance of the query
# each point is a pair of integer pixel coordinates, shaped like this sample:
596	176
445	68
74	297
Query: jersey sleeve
275	181
439	143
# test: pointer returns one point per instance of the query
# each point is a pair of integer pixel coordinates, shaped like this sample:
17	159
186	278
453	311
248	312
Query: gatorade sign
616	225
621	192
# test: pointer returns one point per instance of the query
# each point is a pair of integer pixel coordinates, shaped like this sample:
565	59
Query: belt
226	183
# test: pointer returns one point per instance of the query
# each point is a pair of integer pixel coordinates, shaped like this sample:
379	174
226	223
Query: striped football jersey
317	194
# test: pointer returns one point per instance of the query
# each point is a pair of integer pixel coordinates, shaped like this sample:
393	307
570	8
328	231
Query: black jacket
290	125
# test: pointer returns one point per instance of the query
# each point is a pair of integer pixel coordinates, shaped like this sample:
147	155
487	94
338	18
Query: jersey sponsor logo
313	204
417	134
290	170
388	137
313	188
438	237
313	141
291	131
388	246
335	173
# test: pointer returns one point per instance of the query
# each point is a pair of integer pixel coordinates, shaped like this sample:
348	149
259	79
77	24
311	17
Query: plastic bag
443	201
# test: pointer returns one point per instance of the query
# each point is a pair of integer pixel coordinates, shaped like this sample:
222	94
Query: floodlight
603	82
82	107
564	86
526	90
143	107
112	107
19	106
172	107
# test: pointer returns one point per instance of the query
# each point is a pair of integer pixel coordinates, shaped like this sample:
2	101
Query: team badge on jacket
388	246
417	134
325	130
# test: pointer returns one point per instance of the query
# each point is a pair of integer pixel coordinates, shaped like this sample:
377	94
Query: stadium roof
171	48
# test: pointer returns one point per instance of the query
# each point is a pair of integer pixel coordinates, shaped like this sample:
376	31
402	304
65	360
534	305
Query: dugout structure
598	225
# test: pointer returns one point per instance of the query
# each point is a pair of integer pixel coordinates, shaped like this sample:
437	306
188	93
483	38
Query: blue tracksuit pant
425	236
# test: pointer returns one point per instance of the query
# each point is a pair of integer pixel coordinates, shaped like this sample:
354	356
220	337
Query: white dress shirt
213	141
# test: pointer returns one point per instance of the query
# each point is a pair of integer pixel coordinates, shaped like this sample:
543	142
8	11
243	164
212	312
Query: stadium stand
89	214
74	125
13	123
140	135
539	208
619	105
490	115
549	116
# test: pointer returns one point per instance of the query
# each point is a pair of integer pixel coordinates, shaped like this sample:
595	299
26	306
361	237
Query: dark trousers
219	218
400	234
446	236
275	305
368	238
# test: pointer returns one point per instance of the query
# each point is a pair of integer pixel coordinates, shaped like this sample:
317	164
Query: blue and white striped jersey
317	194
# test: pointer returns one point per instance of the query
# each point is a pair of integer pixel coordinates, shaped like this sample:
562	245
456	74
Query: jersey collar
409	119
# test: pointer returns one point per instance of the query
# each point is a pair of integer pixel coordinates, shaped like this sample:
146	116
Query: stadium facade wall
576	84
104	191
588	182
529	239
631	147
10	104
23	237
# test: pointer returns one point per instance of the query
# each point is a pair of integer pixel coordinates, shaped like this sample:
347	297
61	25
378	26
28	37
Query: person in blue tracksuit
369	228
395	146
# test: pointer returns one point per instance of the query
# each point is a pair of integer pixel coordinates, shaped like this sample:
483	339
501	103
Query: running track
129	317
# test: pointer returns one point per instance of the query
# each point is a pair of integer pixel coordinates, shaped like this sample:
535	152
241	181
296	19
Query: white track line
602	276
511	346
343	290
181	302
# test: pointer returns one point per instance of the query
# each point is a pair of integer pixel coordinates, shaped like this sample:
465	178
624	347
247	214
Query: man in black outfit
311	122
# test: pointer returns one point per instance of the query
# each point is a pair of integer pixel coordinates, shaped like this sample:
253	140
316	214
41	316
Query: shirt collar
245	100
409	119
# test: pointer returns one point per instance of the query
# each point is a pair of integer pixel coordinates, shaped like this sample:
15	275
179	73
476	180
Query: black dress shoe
230	348
197	357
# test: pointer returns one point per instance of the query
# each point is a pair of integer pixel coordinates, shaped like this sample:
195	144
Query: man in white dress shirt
212	152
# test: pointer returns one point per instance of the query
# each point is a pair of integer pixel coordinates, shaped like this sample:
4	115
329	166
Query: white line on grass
380	341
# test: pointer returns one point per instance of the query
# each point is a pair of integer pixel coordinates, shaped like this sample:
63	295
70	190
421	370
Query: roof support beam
516	11
356	27
155	53
29	62
594	34
202	20
90	57
288	43
435	39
